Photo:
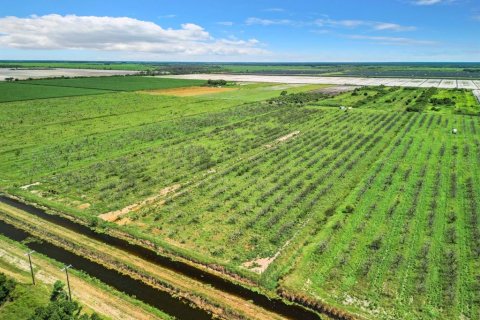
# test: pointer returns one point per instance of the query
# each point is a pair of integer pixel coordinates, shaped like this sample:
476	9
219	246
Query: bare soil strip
114	216
283	139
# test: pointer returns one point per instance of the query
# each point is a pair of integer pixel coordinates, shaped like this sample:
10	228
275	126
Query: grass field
117	83
17	92
373	210
404	70
57	88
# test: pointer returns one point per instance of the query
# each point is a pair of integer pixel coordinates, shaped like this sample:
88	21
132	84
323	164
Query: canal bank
252	304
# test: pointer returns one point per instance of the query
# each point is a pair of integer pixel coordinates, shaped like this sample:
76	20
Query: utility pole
68	280
31	267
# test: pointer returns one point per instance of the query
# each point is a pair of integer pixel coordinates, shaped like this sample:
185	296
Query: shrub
215	83
348	209
6	288
61	308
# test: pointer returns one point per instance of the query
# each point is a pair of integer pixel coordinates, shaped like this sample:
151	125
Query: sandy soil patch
188	91
29	185
84	206
113	216
476	93
283	138
259	265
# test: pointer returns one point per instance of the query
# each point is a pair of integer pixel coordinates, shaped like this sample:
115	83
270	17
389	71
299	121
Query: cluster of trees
441	101
215	83
422	100
6	288
60	307
296	98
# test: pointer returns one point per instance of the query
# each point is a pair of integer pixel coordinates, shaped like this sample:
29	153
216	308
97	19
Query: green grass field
57	88
117	83
17	92
373	210
26	300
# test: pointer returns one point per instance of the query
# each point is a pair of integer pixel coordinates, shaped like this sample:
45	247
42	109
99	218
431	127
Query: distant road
391	82
38	73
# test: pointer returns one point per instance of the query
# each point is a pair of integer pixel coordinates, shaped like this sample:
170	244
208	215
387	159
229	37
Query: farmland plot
372	209
412	235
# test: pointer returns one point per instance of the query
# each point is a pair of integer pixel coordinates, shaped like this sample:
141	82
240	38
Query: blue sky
261	30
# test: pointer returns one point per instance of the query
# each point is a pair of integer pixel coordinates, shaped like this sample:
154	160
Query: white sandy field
476	93
23	74
391	82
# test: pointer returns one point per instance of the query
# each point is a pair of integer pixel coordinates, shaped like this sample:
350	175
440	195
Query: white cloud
431	2
379	26
57	32
392	27
393	40
168	16
331	23
476	18
274	10
269	22
225	23
339	23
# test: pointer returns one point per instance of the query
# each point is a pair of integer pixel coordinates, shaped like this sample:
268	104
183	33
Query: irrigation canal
142	291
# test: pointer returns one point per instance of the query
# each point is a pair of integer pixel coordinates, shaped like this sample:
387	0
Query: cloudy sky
260	30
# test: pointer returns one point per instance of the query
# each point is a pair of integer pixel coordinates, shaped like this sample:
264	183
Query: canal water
278	306
143	292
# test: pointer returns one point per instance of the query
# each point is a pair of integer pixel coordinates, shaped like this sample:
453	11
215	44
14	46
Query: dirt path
113	216
283	139
89	295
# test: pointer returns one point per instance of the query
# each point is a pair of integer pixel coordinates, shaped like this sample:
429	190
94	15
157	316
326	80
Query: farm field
372	210
384	70
57	88
10	91
403	70
336	80
117	83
